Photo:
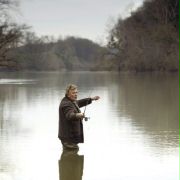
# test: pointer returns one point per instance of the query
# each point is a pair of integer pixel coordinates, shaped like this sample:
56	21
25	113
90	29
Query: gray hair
69	88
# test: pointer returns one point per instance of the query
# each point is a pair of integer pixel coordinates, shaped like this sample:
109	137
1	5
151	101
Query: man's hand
80	115
95	98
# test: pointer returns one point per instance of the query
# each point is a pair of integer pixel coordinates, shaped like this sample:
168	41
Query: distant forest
148	40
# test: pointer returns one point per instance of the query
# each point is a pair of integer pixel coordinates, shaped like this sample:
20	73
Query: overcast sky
82	18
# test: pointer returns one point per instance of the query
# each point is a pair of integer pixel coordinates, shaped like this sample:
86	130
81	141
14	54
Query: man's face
73	94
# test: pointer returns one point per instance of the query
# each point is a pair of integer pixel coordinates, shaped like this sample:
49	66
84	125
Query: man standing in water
70	118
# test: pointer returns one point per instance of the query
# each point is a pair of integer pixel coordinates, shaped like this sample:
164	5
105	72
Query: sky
89	19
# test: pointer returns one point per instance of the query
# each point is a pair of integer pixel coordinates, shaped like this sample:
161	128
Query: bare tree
148	39
10	32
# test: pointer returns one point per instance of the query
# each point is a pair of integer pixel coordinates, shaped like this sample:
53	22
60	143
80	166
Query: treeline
64	54
148	40
21	49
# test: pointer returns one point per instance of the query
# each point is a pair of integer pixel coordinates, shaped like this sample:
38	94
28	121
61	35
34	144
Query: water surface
132	133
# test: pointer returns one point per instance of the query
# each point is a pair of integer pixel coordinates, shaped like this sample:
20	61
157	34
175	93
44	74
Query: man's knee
68	145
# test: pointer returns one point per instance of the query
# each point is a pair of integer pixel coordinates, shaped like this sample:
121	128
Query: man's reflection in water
71	165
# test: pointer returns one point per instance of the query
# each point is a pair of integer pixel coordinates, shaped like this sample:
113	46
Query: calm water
132	133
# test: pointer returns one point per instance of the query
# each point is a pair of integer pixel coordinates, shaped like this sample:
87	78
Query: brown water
132	133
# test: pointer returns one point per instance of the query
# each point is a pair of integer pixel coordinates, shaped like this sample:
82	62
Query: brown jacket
70	127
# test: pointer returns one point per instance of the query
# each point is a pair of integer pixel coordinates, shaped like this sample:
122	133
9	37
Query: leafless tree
10	32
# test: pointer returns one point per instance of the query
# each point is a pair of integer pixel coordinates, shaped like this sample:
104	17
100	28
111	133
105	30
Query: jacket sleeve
84	102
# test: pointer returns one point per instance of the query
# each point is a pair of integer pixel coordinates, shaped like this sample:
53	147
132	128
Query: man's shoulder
65	101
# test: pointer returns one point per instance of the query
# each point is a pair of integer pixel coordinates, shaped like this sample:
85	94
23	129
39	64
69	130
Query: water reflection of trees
14	97
8	94
152	103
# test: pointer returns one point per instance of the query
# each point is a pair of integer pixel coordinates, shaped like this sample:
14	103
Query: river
132	133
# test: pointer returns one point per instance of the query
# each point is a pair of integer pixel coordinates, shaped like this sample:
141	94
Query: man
70	118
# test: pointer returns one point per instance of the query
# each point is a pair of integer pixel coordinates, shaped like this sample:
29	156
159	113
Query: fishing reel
86	118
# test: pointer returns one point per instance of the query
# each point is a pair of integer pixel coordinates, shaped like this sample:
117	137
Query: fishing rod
87	118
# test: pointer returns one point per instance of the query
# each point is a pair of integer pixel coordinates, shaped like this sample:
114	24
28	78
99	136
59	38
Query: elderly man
70	118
